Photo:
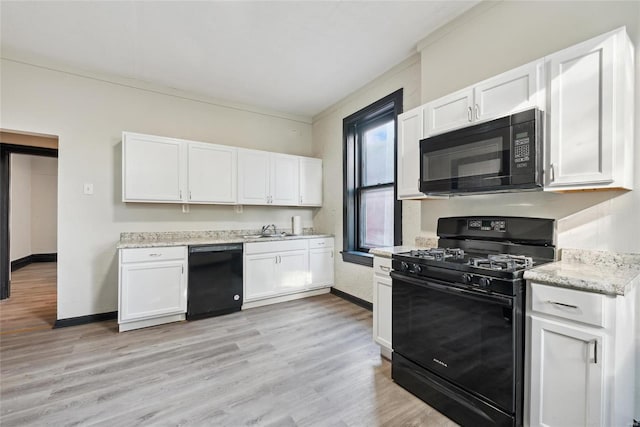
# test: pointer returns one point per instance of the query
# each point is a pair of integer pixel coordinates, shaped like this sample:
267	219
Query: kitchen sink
262	236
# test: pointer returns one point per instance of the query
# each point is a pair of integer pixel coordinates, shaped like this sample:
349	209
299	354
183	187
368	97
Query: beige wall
502	36
327	143
44	209
88	114
20	207
33	211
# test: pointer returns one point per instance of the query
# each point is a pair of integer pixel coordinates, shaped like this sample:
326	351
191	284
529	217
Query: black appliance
497	156
458	316
215	280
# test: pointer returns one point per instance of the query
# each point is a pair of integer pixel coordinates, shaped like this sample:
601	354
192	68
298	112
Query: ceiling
296	57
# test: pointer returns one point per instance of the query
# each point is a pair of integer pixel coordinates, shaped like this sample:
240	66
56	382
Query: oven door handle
431	284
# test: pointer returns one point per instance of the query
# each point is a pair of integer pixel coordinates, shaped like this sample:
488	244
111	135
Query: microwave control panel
521	148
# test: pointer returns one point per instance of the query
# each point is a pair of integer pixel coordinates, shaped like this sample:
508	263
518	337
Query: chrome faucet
265	229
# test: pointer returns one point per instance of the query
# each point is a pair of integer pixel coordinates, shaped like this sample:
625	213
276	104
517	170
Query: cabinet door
259	276
212	173
152	289
253	177
321	267
382	310
449	112
516	90
580	137
152	168
566	375
284	180
310	181
408	167
292	270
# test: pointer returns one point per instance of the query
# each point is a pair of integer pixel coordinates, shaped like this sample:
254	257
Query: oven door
475	159
464	336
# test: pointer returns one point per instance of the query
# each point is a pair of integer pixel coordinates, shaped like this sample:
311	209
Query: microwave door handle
469	113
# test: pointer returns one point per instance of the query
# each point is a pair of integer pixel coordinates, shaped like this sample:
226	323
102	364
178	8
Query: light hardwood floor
33	301
310	362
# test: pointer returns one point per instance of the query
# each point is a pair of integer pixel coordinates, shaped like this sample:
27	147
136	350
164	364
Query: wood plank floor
309	362
33	301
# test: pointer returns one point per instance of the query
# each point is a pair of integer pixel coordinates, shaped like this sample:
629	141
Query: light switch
88	188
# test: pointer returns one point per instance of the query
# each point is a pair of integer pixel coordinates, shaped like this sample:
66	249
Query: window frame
390	105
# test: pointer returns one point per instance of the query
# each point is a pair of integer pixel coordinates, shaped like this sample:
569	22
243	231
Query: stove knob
484	282
404	266
417	268
467	279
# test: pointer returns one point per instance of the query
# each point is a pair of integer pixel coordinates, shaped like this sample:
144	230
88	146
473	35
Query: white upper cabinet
266	178
590	115
515	90
168	170
153	169
254	174
212	171
449	112
310	181
408	166
285	180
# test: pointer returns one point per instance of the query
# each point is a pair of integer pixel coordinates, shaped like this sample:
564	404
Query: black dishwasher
215	280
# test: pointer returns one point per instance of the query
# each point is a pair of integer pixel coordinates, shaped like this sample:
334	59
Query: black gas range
458	316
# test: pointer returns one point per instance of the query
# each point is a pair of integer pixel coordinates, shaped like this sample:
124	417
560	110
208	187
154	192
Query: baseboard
83	320
29	259
355	300
21	262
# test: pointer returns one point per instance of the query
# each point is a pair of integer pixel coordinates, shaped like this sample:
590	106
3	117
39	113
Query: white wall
20	207
88	114
327	143
44	209
508	34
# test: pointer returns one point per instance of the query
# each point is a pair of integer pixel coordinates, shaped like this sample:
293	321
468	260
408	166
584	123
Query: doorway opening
28	231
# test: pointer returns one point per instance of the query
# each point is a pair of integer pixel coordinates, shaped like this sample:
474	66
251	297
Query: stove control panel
487	225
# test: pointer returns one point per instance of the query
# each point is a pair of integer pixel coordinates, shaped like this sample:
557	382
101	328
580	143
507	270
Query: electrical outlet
88	188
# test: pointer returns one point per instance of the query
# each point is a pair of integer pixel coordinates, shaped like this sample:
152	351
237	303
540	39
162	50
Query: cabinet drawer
323	242
153	254
277	246
381	265
585	307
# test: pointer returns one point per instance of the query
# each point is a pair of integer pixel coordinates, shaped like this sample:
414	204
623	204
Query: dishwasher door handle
215	248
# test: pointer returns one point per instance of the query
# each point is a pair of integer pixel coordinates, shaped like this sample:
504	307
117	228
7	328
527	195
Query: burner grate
438	254
503	262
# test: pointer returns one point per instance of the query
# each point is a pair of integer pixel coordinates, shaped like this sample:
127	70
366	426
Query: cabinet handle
189	194
155	254
561	304
469	113
477	112
332	253
180	194
552	175
385	268
182	269
595	351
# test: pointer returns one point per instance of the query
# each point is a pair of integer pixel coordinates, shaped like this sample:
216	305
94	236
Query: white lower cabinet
152	286
382	286
580	358
567	387
279	270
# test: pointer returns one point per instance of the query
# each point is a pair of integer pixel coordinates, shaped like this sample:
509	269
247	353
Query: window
372	215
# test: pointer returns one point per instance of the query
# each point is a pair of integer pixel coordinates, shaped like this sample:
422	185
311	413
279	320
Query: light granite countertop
592	271
421	243
193	238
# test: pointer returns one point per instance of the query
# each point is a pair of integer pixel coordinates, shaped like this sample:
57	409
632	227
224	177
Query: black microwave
501	155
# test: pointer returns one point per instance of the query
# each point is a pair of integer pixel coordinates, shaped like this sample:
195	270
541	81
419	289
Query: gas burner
503	262
438	254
